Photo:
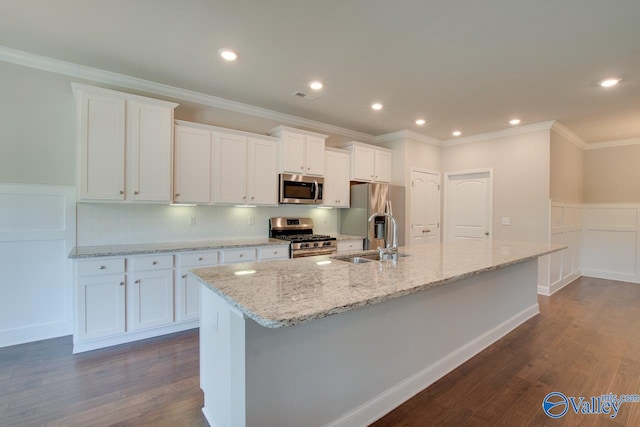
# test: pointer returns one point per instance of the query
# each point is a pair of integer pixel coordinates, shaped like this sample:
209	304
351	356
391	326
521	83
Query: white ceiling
469	65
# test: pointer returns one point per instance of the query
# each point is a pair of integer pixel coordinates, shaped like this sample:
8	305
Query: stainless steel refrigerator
367	199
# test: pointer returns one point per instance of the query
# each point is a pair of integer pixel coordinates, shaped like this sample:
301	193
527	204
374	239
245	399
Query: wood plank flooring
585	342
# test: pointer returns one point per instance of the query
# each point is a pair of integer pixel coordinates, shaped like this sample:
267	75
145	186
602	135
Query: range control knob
304	245
327	244
315	244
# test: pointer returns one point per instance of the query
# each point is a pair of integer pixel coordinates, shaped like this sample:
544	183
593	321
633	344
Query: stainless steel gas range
299	231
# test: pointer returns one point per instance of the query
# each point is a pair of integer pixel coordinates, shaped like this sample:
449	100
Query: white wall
36	234
520	166
567	170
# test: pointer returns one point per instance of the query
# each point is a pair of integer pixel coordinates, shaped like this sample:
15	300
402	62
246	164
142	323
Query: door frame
447	198
408	219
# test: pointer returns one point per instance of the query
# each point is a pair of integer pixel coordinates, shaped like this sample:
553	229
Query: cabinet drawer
239	255
155	262
100	266
274	252
199	259
349	245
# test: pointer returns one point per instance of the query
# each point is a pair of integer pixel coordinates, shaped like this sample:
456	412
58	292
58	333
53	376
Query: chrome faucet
389	251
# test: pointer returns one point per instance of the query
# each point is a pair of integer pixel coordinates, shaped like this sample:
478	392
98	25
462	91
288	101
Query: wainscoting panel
37	231
561	268
611	242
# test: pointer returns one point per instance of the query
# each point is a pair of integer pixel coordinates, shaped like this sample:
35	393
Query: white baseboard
607	275
80	347
555	287
385	402
34	333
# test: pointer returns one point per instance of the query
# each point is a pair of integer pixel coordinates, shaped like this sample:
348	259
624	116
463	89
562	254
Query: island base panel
351	368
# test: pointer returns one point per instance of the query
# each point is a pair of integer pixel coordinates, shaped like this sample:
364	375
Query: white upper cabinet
369	163
246	170
263	172
192	172
336	179
301	152
123	135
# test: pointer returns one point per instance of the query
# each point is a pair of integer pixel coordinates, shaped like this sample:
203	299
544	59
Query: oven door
300	189
312	252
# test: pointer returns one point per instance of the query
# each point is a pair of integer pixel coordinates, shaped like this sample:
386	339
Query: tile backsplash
119	223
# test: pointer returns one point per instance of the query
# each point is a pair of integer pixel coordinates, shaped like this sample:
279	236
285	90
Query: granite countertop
285	293
155	248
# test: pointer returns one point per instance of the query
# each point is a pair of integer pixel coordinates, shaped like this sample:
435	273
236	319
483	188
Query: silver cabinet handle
137	281
177	194
200	259
486	233
154	263
252	197
241	255
184	276
103	267
121	192
136	192
121	283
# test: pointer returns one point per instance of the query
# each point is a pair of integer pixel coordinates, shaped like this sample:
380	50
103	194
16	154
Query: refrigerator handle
388	208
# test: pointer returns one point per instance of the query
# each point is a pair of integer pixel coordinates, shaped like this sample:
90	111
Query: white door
425	207
151	156
314	156
231	169
468	205
192	173
263	172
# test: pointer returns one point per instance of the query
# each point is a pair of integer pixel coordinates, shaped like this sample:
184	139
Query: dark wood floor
585	342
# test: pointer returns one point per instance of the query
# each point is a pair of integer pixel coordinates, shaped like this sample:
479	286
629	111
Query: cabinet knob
121	283
275	252
177	194
136	192
371	176
376	176
301	167
200	259
121	192
154	263
184	276
486	233
137	281
241	255
308	169
244	197
103	267
252	197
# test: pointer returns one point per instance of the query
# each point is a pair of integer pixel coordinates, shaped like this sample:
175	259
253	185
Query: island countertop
289	292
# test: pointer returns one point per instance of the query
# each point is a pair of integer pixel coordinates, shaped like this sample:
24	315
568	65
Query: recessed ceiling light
376	106
228	54
420	122
456	133
514	121
316	85
609	82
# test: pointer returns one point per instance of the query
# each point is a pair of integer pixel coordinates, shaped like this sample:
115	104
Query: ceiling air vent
303	95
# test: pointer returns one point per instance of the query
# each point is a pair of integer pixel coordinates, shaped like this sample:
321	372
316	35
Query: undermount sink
363	258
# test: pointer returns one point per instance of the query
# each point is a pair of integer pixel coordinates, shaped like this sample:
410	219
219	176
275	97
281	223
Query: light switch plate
506	220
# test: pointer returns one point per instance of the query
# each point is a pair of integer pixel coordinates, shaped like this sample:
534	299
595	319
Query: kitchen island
324	341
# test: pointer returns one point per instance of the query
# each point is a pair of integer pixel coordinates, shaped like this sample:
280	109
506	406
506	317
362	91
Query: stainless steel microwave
300	189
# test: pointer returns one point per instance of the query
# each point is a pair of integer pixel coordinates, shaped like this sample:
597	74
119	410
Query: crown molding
57	66
611	144
408	134
568	134
498	134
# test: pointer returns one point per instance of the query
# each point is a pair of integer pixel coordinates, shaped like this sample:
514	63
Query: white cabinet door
102	148
231	168
192	173
150	141
350	245
382	164
100	306
151	296
293	157
189	296
362	163
263	172
314	156
336	180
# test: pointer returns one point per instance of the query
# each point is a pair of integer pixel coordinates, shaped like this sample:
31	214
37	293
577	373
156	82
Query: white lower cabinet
119	301
187	287
350	245
151	297
100	306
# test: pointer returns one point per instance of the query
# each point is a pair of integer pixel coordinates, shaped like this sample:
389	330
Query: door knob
486	233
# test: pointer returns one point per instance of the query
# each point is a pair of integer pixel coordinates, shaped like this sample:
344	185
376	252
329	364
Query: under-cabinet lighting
246	206
325	262
186	205
244	272
325	207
